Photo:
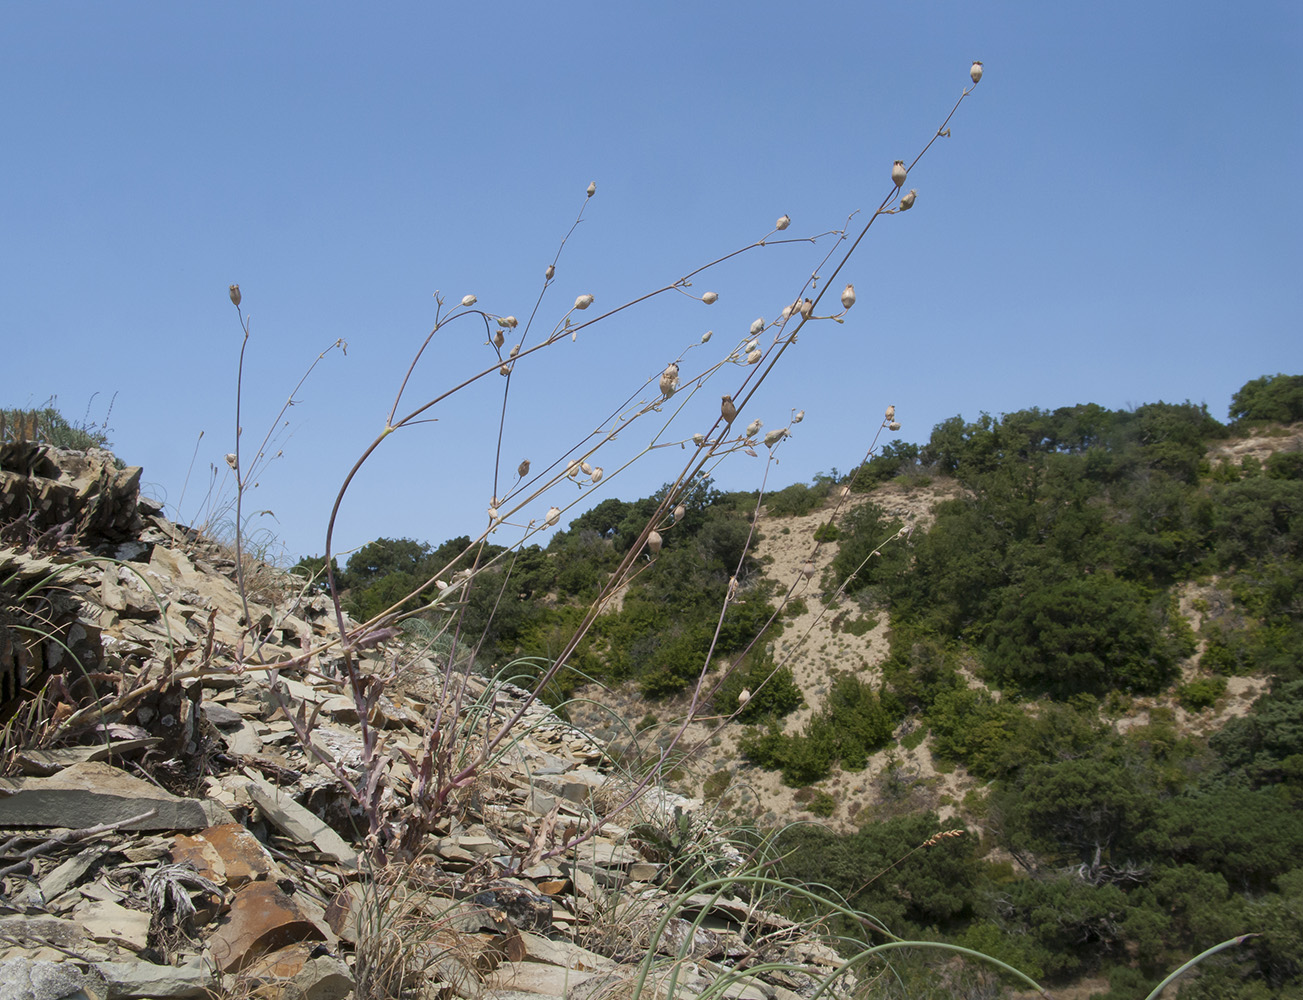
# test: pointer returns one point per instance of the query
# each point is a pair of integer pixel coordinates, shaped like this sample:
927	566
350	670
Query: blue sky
1115	218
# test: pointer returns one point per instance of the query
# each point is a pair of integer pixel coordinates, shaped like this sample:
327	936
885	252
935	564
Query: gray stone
324	978
298	822
90	793
129	980
28	979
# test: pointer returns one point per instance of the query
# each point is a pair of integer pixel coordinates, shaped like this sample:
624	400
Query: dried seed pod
844	492
743	697
783	222
504	370
510	322
231	459
597	475
583	302
907	202
705	337
753	357
679	513
499	338
441	584
807	308
898	173
807	569
710	298
522	470
654	542
891	412
774	436
800	415
553	516
669	379
587	469
893	426
727	409
975	72
493	513
468	300
753	428
572	469
550	273
592	188
848	296
758	326
699	439
235	295
514	351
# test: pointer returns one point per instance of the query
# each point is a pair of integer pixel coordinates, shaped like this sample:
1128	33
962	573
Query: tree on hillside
1278	398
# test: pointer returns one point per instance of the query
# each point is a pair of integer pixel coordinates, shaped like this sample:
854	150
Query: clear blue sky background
1115	219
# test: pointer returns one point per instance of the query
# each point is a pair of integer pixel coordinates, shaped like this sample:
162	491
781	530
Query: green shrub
1276	398
1202	693
827	532
822	804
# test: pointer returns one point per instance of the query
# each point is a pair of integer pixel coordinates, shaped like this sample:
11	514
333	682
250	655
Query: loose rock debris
164	831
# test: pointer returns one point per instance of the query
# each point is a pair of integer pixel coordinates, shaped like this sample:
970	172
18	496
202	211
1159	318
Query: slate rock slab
92	793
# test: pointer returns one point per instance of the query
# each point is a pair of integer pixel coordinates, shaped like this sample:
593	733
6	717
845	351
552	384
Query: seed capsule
758	326
891	412
754	356
499	338
975	72
493	513
583	302
679	513
597	475
522	470
727	409
698	439
504	371
898	173
587	469
743	697
783	222
807	308
753	428
553	516
669	380
848	296
907	202
800	415
705	337
550	273
654	543
592	188
710	298
893	426
231	459
572	469
468	300
235	295
774	436
807	569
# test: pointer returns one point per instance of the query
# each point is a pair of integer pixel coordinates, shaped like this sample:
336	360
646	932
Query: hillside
1032	689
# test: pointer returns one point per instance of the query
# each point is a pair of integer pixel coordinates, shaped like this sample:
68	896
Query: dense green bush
1088	634
1276	398
854	723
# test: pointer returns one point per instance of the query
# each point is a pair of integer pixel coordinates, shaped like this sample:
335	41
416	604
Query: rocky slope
181	818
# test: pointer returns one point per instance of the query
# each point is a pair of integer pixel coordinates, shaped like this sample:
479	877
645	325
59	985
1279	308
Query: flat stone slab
298	822
91	793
